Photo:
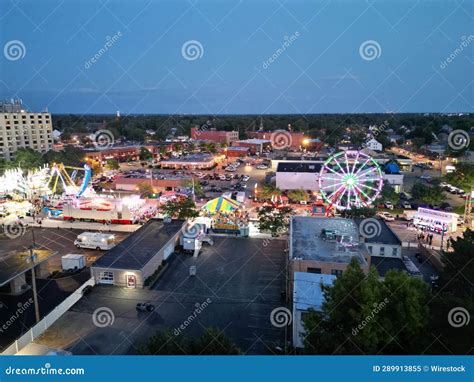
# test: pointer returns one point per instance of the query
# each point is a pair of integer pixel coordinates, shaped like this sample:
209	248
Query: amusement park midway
229	229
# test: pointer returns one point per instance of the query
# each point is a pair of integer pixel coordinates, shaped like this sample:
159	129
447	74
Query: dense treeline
329	127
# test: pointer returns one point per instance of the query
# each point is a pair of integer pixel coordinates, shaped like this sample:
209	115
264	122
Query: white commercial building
307	295
374	145
295	175
22	129
298	175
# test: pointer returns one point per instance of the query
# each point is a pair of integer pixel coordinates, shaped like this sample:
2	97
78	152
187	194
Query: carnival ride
59	172
350	179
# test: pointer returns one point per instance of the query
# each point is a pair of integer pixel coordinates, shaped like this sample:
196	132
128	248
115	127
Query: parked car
406	205
387	216
145	307
245	178
262	167
388	205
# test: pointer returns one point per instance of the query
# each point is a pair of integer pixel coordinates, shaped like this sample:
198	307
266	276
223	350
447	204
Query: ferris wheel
350	179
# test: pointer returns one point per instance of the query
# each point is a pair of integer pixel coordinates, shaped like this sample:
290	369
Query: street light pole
32	258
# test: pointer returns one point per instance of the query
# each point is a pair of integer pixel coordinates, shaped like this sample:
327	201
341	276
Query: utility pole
32	258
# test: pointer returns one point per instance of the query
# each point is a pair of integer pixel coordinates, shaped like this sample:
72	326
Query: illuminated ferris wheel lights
350	178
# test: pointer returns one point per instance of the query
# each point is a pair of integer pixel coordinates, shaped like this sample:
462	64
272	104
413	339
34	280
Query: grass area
459	210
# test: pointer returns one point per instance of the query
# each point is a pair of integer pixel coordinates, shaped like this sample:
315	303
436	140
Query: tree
358	212
214	342
27	159
462	177
188	183
268	190
362	314
274	220
180	209
145	154
388	194
458	272
112	164
145	188
426	194
211	342
298	196
165	343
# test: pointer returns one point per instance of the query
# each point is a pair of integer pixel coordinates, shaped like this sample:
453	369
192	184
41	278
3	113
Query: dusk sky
419	56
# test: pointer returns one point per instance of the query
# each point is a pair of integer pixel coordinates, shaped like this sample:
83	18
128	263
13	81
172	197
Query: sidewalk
87	226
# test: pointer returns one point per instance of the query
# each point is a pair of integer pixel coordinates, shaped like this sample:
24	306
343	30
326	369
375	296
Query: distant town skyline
238	57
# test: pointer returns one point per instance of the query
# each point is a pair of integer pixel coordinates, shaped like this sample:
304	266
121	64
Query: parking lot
51	291
240	279
57	240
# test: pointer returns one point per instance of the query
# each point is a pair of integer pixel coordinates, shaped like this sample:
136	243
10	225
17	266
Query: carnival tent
221	204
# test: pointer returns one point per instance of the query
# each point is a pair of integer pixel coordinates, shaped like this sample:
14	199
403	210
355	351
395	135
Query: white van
95	240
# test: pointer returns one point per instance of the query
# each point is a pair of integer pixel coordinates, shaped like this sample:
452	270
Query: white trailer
95	240
109	211
73	261
437	221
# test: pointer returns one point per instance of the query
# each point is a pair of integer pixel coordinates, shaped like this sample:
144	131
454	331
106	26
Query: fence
47	321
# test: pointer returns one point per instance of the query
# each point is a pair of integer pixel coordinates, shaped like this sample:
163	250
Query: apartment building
20	128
